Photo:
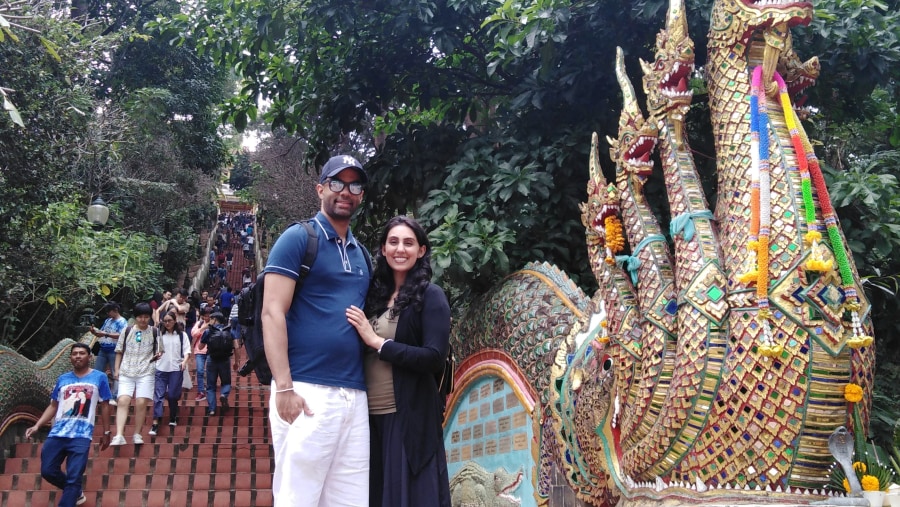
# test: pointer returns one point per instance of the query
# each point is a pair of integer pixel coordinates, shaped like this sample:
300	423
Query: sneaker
117	440
200	397
210	412
224	402
138	440
81	499
113	402
173	423
153	430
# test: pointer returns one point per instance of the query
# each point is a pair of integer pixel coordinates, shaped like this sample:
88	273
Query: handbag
95	348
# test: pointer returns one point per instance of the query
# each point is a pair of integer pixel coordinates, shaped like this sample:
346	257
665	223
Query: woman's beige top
379	374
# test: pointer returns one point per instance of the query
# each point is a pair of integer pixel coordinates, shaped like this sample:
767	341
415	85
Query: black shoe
224	402
154	429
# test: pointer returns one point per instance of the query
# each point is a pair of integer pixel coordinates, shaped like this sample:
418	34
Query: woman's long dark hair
178	328
417	280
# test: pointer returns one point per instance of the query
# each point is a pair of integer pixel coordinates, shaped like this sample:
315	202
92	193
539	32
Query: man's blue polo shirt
323	348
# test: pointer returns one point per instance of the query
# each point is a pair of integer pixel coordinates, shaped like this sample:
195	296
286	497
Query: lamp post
98	212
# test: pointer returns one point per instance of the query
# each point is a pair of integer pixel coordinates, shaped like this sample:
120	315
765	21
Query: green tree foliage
862	173
78	265
241	176
106	111
858	43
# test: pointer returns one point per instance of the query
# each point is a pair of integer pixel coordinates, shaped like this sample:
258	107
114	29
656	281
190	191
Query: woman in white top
170	369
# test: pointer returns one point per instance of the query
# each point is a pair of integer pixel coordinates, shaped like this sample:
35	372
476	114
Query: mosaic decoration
489	428
710	365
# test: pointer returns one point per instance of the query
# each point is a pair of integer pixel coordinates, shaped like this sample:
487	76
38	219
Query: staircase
221	460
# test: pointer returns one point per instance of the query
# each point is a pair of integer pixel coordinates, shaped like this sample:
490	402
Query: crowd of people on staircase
150	361
354	346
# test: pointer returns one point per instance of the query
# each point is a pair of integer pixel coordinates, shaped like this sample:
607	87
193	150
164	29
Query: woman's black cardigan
417	354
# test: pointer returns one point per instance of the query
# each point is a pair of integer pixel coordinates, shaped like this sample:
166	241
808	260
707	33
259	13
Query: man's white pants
322	460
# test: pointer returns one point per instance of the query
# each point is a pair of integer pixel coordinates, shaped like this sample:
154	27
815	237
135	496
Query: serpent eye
607	364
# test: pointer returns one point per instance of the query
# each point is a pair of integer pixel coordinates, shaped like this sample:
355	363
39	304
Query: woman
170	370
197	331
136	350
408	341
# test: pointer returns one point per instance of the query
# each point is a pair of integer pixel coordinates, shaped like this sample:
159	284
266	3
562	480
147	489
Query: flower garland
760	194
614	237
761	211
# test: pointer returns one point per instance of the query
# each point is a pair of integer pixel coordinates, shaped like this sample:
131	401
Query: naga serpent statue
711	363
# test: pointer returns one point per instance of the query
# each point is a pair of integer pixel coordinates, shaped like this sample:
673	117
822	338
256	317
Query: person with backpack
137	349
318	413
406	327
170	370
219	349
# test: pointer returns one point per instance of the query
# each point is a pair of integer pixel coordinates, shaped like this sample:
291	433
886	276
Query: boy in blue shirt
108	335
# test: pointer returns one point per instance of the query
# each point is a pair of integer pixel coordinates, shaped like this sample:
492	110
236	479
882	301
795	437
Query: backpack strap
309	258
125	341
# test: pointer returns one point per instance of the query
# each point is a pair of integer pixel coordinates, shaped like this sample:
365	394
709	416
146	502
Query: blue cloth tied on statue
684	223
631	263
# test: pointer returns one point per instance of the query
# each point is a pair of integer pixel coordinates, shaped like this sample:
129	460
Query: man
74	402
179	304
107	335
211	304
226	299
219	349
318	386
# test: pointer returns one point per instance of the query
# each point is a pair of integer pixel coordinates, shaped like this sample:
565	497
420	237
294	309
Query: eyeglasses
337	186
137	337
